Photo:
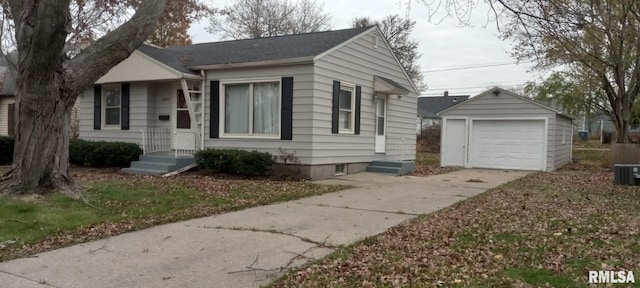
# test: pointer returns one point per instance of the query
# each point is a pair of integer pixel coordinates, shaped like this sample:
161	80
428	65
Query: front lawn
544	230
117	203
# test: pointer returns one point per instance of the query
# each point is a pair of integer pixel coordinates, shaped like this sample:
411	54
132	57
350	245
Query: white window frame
222	112
352	121
104	107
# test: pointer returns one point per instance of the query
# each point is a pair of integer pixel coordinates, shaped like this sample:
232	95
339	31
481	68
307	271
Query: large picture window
346	117
112	105
252	109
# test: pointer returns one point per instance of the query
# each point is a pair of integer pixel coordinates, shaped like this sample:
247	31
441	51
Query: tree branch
93	62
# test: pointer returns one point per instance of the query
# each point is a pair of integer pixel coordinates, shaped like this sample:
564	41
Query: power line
487	86
473	67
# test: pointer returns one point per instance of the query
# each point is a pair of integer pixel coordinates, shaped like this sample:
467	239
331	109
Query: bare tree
265	18
49	83
397	31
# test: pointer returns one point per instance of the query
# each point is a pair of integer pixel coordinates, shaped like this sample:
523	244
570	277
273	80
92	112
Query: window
346	102
341	169
112	104
252	109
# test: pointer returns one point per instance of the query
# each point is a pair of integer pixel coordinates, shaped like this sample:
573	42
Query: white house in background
502	130
339	99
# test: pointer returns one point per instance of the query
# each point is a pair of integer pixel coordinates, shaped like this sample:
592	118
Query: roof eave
268	63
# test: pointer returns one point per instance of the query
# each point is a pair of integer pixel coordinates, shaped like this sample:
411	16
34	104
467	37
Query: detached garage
502	130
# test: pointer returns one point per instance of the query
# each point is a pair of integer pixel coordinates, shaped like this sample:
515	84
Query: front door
184	137
453	148
381	125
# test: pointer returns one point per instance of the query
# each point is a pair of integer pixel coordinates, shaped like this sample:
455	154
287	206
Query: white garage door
508	144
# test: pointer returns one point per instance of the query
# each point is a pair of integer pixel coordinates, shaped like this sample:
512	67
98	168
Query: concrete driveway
249	247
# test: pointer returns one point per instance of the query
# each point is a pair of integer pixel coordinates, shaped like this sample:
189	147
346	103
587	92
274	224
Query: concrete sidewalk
249	247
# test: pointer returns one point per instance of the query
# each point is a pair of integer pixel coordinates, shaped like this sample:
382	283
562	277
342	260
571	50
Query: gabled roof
501	91
251	50
386	85
429	107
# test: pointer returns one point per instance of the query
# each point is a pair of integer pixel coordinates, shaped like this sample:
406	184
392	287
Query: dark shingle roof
429	106
250	50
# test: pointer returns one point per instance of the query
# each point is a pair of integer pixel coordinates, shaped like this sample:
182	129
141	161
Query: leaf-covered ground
118	203
429	164
544	230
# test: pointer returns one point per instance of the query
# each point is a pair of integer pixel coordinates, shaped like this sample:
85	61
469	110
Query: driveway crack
362	209
41	282
318	244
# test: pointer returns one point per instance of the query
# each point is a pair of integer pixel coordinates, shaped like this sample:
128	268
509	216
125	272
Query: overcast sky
444	46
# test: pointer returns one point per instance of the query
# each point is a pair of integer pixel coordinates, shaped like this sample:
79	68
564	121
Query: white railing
186	143
155	140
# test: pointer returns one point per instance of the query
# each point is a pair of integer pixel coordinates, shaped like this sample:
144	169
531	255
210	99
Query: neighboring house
339	99
502	130
429	107
7	97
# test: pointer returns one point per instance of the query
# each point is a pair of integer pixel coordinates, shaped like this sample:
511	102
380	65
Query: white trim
222	115
544	163
443	147
205	93
103	107
352	121
277	62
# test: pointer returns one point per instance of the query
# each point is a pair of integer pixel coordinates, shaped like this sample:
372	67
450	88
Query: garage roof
498	91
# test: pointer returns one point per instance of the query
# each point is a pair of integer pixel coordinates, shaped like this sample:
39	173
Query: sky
448	49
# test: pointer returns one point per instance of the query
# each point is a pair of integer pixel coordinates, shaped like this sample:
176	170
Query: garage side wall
563	133
505	106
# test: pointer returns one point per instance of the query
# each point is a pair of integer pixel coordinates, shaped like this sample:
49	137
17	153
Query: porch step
391	167
156	164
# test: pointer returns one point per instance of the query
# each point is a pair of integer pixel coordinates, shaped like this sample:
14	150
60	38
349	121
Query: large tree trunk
49	82
41	150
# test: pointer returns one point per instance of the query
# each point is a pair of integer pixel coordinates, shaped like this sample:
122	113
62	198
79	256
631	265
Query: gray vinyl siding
303	121
357	63
510	107
140	111
563	141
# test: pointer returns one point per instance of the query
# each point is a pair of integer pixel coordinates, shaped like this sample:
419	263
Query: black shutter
335	108
11	115
214	110
124	108
356	129
286	132
97	107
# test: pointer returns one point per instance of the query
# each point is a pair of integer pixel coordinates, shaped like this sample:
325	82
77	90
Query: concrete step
143	171
384	170
157	166
392	167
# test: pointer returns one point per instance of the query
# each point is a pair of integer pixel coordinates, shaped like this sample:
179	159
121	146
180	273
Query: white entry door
381	125
183	137
454	142
508	144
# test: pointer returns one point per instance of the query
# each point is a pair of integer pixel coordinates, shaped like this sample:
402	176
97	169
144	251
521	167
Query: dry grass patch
544	230
429	164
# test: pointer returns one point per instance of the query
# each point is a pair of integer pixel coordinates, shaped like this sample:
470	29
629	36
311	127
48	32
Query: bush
236	162
6	150
288	167
103	154
429	139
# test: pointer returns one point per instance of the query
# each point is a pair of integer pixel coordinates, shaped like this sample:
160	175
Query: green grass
540	277
118	206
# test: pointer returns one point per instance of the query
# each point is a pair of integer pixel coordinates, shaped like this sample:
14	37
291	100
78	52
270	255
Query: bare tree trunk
49	82
41	151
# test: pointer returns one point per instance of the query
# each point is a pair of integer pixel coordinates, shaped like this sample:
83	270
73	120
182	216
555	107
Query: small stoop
151	164
392	167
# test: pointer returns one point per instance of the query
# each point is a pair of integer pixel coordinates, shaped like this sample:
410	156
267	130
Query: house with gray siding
502	130
339	99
